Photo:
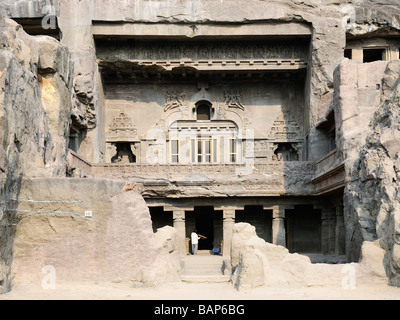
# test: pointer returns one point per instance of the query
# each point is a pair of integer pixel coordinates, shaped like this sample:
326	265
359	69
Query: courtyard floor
207	291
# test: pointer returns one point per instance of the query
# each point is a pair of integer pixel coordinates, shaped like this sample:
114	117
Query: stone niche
379	48
121	140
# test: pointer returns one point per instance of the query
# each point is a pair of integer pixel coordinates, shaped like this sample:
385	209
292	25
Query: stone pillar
332	231
278	226
179	225
228	222
357	55
325	231
328	231
340	238
111	151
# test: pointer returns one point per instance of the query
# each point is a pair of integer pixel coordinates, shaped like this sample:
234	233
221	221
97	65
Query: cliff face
36	81
35	104
42	221
373	172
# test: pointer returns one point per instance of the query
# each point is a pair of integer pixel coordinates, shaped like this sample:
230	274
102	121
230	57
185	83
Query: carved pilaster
278	226
179	225
328	233
340	241
228	222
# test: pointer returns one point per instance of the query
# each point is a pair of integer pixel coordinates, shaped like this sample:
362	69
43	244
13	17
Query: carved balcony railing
208	180
263	179
329	173
165	170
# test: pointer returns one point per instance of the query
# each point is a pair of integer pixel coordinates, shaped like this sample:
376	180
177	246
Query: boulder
133	252
116	244
373	259
249	271
241	233
259	263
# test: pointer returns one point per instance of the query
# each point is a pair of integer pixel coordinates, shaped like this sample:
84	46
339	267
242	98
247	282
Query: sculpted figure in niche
285	152
124	154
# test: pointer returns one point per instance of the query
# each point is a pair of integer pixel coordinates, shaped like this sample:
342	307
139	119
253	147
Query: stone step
205	278
203	268
201	272
203	263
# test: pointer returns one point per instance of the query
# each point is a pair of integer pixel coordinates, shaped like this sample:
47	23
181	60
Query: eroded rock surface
258	263
372	192
115	245
35	103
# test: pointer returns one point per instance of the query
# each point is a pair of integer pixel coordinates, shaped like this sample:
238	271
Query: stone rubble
256	263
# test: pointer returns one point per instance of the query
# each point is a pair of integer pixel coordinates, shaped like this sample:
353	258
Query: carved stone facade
201	127
282	114
213	51
212	118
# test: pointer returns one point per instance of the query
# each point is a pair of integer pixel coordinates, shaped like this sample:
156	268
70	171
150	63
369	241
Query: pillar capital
179	225
229	214
179	211
228	223
278	212
178	215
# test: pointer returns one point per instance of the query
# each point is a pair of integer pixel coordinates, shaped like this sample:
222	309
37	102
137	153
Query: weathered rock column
228	222
179	225
278	226
324	231
332	231
328	231
340	232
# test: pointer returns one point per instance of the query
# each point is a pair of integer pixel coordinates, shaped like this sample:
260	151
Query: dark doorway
303	230
259	218
371	55
160	218
205	226
208	223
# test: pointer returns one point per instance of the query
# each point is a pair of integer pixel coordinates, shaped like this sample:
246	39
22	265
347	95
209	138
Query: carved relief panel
121	140
285	128
121	128
233	50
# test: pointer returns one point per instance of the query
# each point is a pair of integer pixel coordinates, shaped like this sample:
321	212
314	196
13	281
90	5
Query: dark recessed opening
160	218
371	55
348	53
203	111
124	154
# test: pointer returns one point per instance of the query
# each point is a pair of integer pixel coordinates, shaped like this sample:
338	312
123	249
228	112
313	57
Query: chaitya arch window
203	110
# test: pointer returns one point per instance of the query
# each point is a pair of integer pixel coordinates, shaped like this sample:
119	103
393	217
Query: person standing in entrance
195	241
